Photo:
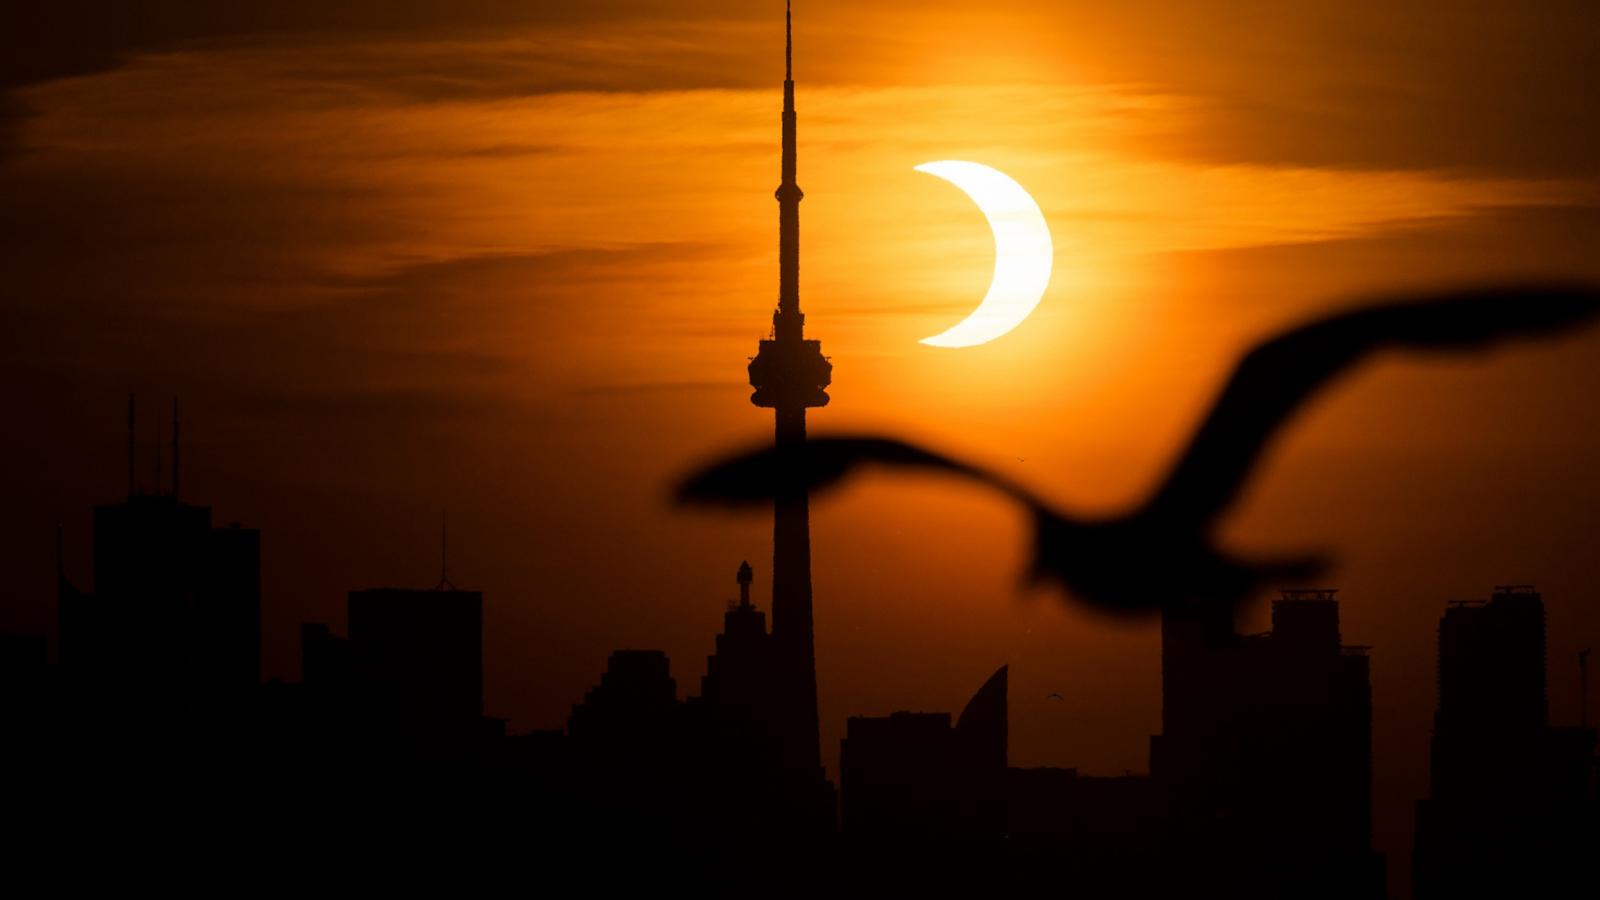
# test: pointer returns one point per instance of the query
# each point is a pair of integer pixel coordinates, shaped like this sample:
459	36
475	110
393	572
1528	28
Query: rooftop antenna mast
132	481
175	457
444	553
158	454
1583	688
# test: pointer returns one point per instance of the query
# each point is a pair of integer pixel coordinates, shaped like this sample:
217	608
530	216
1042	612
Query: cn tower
789	374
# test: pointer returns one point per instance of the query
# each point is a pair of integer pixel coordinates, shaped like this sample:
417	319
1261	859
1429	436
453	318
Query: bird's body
1133	565
1162	554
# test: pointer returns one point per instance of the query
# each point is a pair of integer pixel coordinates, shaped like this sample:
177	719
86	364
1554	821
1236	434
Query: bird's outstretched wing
758	475
1279	376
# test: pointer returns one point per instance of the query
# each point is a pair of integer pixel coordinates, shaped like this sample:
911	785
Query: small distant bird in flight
1161	554
1055	696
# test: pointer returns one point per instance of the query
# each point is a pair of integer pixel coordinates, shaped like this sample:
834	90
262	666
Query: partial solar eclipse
1022	252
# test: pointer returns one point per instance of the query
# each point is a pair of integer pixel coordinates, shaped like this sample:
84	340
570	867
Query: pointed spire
788	41
745	576
157	491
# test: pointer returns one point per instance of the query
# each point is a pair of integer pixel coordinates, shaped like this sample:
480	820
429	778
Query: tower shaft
792	629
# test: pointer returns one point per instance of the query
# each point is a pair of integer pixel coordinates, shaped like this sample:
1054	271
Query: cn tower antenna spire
788	324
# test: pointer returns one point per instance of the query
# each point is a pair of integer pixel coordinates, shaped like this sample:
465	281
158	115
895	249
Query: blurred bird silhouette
1161	554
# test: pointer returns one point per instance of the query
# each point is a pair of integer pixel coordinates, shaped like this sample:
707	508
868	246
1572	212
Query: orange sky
512	259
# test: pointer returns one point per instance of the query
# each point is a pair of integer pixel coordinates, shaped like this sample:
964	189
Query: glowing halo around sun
1023	252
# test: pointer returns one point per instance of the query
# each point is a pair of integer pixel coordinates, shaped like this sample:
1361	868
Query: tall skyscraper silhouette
789	374
1509	811
1265	759
174	624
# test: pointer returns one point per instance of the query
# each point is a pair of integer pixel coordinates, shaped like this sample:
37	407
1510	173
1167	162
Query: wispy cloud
310	192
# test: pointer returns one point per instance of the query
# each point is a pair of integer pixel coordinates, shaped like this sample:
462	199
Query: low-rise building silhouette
632	710
418	654
324	658
916	777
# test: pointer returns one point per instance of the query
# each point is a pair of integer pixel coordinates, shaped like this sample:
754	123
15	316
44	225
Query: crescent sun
1023	252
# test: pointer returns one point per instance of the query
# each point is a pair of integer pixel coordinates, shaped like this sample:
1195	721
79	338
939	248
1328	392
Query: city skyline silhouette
519	287
1259	784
